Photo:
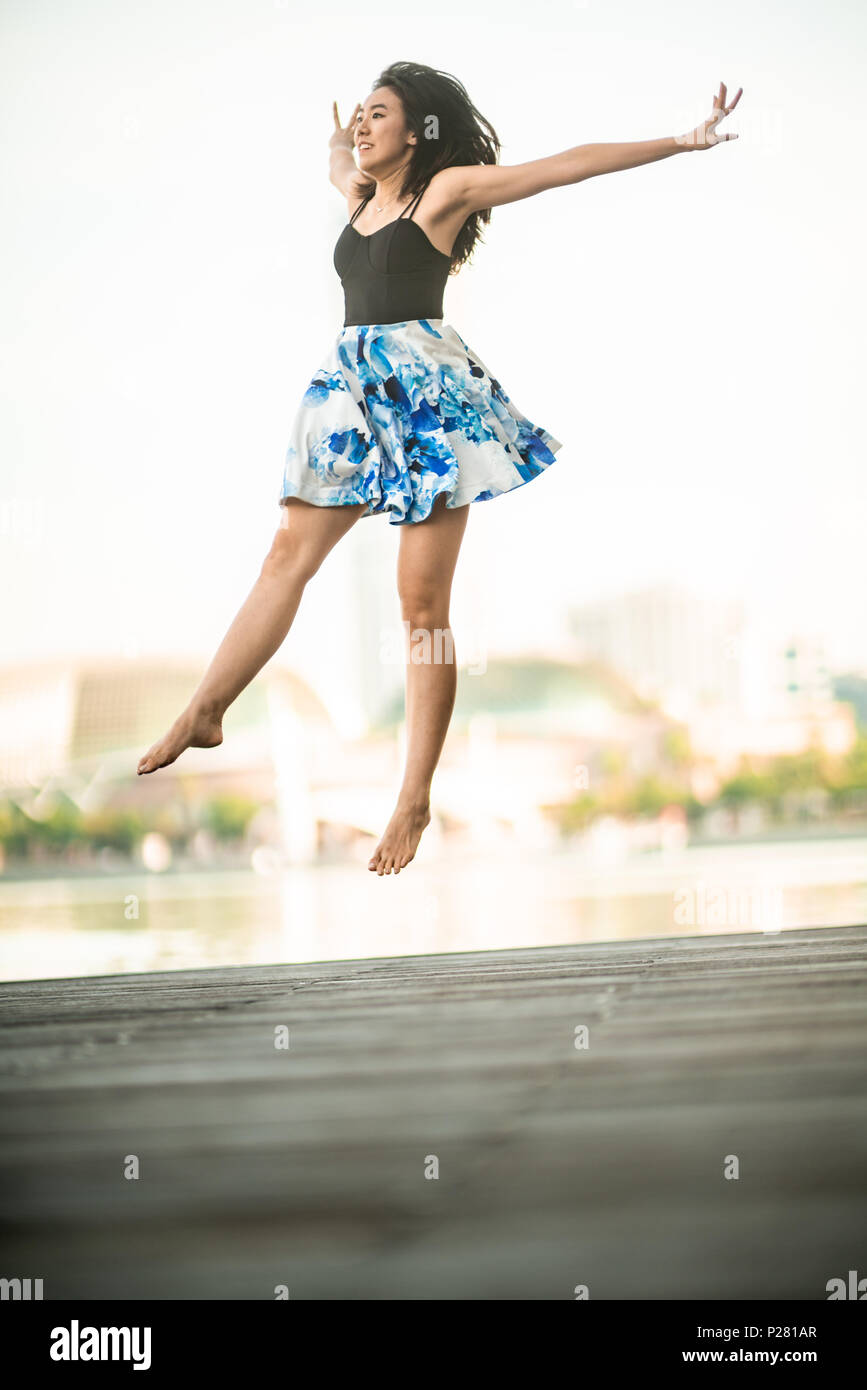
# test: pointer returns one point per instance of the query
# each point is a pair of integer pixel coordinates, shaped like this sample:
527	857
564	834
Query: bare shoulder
446	193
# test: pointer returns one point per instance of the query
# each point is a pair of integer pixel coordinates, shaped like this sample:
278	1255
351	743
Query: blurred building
739	689
526	736
74	718
802	672
81	728
673	646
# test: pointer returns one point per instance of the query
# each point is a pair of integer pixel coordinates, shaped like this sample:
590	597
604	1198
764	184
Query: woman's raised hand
344	136
705	135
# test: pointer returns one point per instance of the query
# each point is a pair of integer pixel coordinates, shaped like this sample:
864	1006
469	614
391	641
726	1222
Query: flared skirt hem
400	414
457	497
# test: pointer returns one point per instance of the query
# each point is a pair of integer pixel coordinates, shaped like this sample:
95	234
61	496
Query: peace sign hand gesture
705	135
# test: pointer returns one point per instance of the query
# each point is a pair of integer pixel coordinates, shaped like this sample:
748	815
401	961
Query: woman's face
381	135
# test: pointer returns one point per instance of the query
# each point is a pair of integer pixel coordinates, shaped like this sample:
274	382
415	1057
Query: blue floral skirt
400	412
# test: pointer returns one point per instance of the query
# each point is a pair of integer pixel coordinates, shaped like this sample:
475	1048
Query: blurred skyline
690	329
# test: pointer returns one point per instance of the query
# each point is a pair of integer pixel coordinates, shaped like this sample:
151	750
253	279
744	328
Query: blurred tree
227	817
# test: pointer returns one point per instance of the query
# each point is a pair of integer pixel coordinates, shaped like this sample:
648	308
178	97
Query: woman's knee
291	556
424	605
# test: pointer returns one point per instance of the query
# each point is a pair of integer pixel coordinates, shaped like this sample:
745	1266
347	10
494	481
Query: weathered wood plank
558	1166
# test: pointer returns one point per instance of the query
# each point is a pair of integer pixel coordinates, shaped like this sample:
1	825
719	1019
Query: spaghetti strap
414	204
361	206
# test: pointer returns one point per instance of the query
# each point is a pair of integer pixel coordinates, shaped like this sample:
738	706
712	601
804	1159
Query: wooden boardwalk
558	1166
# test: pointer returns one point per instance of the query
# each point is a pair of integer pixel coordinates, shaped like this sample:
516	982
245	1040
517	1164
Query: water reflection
54	928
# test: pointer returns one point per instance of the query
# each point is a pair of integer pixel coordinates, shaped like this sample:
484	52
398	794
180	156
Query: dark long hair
461	136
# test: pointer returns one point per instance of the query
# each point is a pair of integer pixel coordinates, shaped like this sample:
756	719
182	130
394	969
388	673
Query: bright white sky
692	329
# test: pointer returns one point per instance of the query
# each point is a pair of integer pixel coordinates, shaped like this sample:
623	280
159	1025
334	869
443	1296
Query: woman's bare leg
304	538
427	558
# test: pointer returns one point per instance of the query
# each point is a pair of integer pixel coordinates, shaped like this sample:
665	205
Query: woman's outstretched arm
491	185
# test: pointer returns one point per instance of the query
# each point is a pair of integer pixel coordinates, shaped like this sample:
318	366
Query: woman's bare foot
402	834
192	729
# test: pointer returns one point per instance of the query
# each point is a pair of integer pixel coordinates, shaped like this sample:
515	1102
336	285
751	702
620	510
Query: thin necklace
384	206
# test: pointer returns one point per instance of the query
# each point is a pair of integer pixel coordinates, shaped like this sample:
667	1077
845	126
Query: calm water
470	901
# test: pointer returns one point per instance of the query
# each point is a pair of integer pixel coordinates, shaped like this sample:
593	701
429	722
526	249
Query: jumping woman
402	416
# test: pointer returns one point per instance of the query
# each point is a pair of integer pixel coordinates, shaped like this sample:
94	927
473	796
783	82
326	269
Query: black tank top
391	275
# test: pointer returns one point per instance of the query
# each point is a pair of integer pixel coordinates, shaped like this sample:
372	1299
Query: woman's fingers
350	126
721	99
705	135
